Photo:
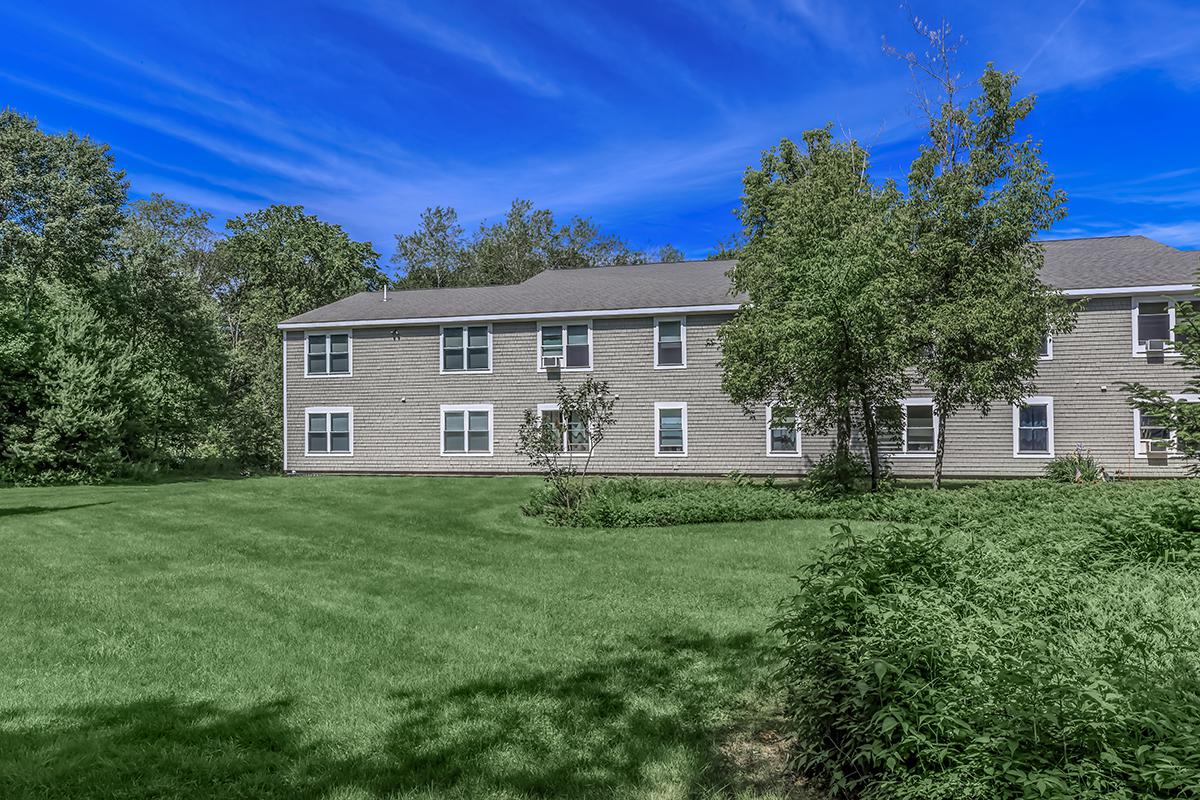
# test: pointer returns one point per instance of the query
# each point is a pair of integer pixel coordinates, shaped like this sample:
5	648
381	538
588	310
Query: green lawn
374	637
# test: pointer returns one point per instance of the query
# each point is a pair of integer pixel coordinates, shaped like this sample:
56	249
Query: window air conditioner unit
552	362
1154	351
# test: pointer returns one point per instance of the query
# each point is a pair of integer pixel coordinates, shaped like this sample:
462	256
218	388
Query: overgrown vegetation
1032	640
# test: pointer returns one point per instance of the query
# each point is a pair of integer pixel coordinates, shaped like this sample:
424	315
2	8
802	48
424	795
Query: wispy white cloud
459	42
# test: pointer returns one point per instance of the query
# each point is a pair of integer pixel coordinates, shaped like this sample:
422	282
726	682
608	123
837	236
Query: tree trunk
843	433
941	449
871	434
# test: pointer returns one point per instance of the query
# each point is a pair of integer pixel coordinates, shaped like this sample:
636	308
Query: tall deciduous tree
276	263
820	331
170	324
978	194
527	241
434	255
60	206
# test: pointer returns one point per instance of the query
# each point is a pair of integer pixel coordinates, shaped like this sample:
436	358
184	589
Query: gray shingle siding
397	390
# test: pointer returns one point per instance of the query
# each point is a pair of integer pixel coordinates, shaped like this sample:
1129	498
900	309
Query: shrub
1034	641
1078	467
837	474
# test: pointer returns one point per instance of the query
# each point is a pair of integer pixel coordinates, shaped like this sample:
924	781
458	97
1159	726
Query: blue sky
642	115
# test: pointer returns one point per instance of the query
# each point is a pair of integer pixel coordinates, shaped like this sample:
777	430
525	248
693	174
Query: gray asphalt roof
1095	263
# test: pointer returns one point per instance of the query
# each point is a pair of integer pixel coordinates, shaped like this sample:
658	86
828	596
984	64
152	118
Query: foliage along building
438	380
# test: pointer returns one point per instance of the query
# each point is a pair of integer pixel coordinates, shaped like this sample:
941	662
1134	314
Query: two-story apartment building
438	380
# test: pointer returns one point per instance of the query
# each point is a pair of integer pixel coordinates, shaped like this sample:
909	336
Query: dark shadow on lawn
600	729
21	510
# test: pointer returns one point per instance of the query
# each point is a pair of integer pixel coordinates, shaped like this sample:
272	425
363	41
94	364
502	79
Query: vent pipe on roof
385	293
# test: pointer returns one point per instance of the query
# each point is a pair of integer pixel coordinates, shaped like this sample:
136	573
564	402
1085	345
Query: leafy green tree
667	254
820	332
274	264
527	241
171	326
60	206
726	249
84	385
1179	418
432	256
562	445
978	194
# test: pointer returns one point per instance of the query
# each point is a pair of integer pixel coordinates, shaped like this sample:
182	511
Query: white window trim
682	341
771	453
1049	349
349	353
441	340
683	419
937	424
466	429
327	410
1139	449
1016	426
551	323
544	407
1169	349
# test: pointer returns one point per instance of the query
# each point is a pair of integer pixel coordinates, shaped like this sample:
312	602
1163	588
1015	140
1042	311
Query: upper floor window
1047	351
467	348
1155	326
328	431
670	429
573	433
783	433
328	354
670	343
467	430
1033	427
565	346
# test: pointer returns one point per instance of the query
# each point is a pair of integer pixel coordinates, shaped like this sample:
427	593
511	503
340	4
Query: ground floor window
574	432
467	430
670	429
1033	427
919	427
783	435
328	431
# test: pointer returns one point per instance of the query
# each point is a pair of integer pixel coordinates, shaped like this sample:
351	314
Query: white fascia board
1170	288
611	312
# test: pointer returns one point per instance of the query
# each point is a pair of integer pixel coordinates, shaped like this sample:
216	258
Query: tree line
134	335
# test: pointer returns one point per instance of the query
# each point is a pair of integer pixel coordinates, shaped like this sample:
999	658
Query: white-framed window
670	343
918	427
466	348
1033	428
565	345
575	436
1047	351
1153	434
1154	320
783	431
327	354
670	429
467	430
329	431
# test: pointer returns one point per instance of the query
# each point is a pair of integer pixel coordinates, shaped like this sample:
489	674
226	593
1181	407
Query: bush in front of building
1079	466
1017	651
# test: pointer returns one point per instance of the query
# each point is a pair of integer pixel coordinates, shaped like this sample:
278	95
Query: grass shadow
18	511
615	725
